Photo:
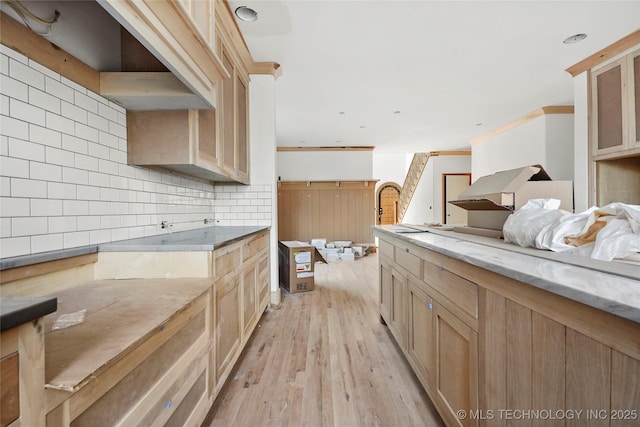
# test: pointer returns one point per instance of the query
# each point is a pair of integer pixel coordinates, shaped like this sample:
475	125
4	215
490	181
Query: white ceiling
455	70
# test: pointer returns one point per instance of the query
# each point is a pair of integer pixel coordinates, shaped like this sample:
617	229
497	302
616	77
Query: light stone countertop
606	291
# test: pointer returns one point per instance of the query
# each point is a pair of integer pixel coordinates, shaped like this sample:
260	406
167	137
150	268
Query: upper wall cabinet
180	34
615	129
615	103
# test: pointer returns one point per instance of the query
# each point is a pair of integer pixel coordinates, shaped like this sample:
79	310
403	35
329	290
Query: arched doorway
387	200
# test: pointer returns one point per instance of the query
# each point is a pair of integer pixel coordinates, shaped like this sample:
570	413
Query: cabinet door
227	123
242	123
227	333
633	63
420	345
249	298
207	137
398	315
385	291
456	367
609	101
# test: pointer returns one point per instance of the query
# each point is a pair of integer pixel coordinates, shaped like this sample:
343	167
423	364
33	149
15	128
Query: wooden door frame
444	191
381	187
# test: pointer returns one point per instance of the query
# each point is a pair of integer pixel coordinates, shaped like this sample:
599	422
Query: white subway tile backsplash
86	162
99	236
4	64
14	128
59	123
47	242
75	176
28	226
10	53
73	85
59	157
5	227
117	130
26	74
15	246
107	112
107	166
110	221
41	135
73	240
75	207
108	139
10	166
88	192
21	149
4	104
59	90
88	222
85	102
44	70
99	179
5	186
75	144
100	123
28	188
62	224
13	206
58	190
46	207
74	112
44	100
45	172
14	88
71	172
98	150
86	132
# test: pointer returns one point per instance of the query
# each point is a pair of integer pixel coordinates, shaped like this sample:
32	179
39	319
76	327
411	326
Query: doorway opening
387	201
452	185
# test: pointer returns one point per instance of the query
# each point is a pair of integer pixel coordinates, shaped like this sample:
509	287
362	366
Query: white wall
64	177
325	165
546	140
263	159
426	204
391	167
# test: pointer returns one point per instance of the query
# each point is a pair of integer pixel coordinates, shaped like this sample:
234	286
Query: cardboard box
492	198
319	243
296	266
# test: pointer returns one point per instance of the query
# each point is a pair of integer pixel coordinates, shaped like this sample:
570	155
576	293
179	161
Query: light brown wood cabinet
233	105
492	346
615	130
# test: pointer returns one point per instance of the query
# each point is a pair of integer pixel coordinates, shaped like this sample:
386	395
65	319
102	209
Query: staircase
411	182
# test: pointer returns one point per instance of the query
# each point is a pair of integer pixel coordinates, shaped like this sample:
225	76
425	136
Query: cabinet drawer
127	397
461	292
254	245
408	261
227	259
386	249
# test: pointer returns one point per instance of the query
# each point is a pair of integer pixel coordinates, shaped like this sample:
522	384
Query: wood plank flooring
324	359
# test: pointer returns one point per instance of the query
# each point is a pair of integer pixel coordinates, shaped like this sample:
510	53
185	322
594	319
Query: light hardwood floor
324	359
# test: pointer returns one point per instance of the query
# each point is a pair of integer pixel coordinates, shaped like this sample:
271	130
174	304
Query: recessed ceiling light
303	142
478	124
574	39
246	13
397	112
341	112
362	127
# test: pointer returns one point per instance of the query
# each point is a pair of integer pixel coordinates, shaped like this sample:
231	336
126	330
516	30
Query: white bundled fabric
612	231
526	223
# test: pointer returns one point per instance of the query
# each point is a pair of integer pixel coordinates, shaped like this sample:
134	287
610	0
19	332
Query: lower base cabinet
491	351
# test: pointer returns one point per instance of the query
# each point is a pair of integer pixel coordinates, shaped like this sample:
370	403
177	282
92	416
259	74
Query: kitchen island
490	331
159	323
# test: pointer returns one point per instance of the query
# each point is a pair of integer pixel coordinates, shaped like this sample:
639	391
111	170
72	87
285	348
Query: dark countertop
200	239
15	311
